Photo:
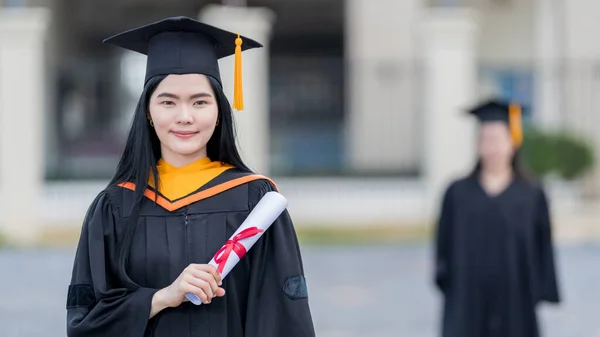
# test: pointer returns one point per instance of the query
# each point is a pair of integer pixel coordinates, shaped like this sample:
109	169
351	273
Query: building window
510	83
307	116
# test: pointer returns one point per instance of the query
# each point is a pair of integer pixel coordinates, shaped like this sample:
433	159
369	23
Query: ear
150	119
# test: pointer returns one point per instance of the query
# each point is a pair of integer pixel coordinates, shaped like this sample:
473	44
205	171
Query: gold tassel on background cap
238	97
515	124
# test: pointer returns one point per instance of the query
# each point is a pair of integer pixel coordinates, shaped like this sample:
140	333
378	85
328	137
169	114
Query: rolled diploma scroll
268	209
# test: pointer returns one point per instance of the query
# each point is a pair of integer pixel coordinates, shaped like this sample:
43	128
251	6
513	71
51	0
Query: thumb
220	292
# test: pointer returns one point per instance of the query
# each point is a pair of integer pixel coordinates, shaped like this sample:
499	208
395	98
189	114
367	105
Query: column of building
22	119
253	121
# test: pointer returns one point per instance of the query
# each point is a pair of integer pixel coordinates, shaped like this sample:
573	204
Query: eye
167	103
201	102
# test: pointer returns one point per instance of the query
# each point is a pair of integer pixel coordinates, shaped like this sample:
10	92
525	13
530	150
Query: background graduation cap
508	112
180	45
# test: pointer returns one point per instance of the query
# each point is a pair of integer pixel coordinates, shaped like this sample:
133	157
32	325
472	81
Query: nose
184	116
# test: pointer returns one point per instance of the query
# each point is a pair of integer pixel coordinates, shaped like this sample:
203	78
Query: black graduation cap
492	110
502	111
181	45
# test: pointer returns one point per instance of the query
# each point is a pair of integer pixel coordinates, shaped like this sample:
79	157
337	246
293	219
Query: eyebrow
170	95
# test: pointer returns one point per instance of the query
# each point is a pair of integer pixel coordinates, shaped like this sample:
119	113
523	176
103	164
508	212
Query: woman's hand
202	280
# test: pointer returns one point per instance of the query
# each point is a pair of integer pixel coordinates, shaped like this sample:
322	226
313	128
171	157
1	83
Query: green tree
565	154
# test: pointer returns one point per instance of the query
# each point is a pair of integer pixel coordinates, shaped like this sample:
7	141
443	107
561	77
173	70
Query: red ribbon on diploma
233	244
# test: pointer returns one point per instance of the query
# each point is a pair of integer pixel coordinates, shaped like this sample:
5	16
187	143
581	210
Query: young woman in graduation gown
179	193
494	252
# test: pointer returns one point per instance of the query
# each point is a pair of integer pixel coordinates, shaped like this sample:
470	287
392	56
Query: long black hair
142	152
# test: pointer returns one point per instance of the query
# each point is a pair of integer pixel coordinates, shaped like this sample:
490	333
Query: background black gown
494	259
266	294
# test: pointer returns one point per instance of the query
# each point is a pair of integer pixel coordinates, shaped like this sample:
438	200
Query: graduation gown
266	293
494	259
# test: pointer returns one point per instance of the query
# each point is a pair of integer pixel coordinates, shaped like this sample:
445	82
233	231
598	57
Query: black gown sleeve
443	243
277	297
547	283
96	304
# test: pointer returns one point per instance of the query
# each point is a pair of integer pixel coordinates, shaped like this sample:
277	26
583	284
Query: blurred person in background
494	258
143	247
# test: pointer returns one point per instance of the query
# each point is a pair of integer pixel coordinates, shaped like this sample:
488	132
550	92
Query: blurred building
362	118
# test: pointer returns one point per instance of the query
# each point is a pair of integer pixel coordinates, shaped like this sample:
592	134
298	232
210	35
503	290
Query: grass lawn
363	235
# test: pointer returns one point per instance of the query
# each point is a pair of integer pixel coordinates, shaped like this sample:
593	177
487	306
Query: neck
494	180
179	160
497	172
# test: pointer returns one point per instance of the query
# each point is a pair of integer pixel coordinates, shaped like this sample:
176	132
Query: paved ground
355	291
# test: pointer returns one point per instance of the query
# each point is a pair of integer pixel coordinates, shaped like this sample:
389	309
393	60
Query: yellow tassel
516	124
238	97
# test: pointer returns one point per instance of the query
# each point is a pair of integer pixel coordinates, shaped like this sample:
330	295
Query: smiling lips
184	134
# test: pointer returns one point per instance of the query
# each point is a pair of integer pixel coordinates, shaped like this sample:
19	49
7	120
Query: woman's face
495	146
184	111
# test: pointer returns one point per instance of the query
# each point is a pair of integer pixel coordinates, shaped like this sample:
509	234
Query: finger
206	277
220	292
212	270
190	288
204	285
192	267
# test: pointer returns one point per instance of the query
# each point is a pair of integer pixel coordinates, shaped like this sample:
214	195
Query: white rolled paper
268	209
